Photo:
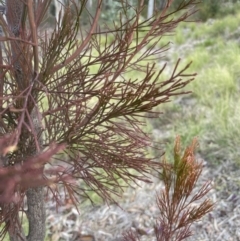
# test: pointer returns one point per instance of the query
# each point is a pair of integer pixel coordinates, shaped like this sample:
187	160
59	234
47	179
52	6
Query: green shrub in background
209	9
217	8
215	52
212	8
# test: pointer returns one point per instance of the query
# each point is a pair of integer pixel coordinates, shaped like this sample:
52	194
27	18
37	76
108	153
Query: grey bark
15	9
36	214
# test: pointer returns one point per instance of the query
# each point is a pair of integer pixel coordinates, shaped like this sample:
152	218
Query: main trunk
36	214
27	146
36	218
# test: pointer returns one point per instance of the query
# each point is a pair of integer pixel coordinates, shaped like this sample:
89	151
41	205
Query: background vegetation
212	111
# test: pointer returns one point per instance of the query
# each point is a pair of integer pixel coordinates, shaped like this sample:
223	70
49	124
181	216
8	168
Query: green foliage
216	9
211	8
113	9
212	111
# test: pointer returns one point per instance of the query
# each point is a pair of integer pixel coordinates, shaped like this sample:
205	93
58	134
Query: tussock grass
212	111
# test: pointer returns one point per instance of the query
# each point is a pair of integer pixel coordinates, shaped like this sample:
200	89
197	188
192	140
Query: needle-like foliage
180	199
70	114
180	202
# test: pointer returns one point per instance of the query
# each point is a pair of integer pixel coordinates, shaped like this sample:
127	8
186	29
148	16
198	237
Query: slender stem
34	34
85	42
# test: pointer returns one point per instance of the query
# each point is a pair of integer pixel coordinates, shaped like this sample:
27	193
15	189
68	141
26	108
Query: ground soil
138	211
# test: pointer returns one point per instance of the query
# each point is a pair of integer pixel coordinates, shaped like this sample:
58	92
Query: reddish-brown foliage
67	101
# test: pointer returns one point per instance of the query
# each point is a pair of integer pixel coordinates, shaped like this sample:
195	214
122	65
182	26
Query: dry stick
13	14
34	34
17	39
